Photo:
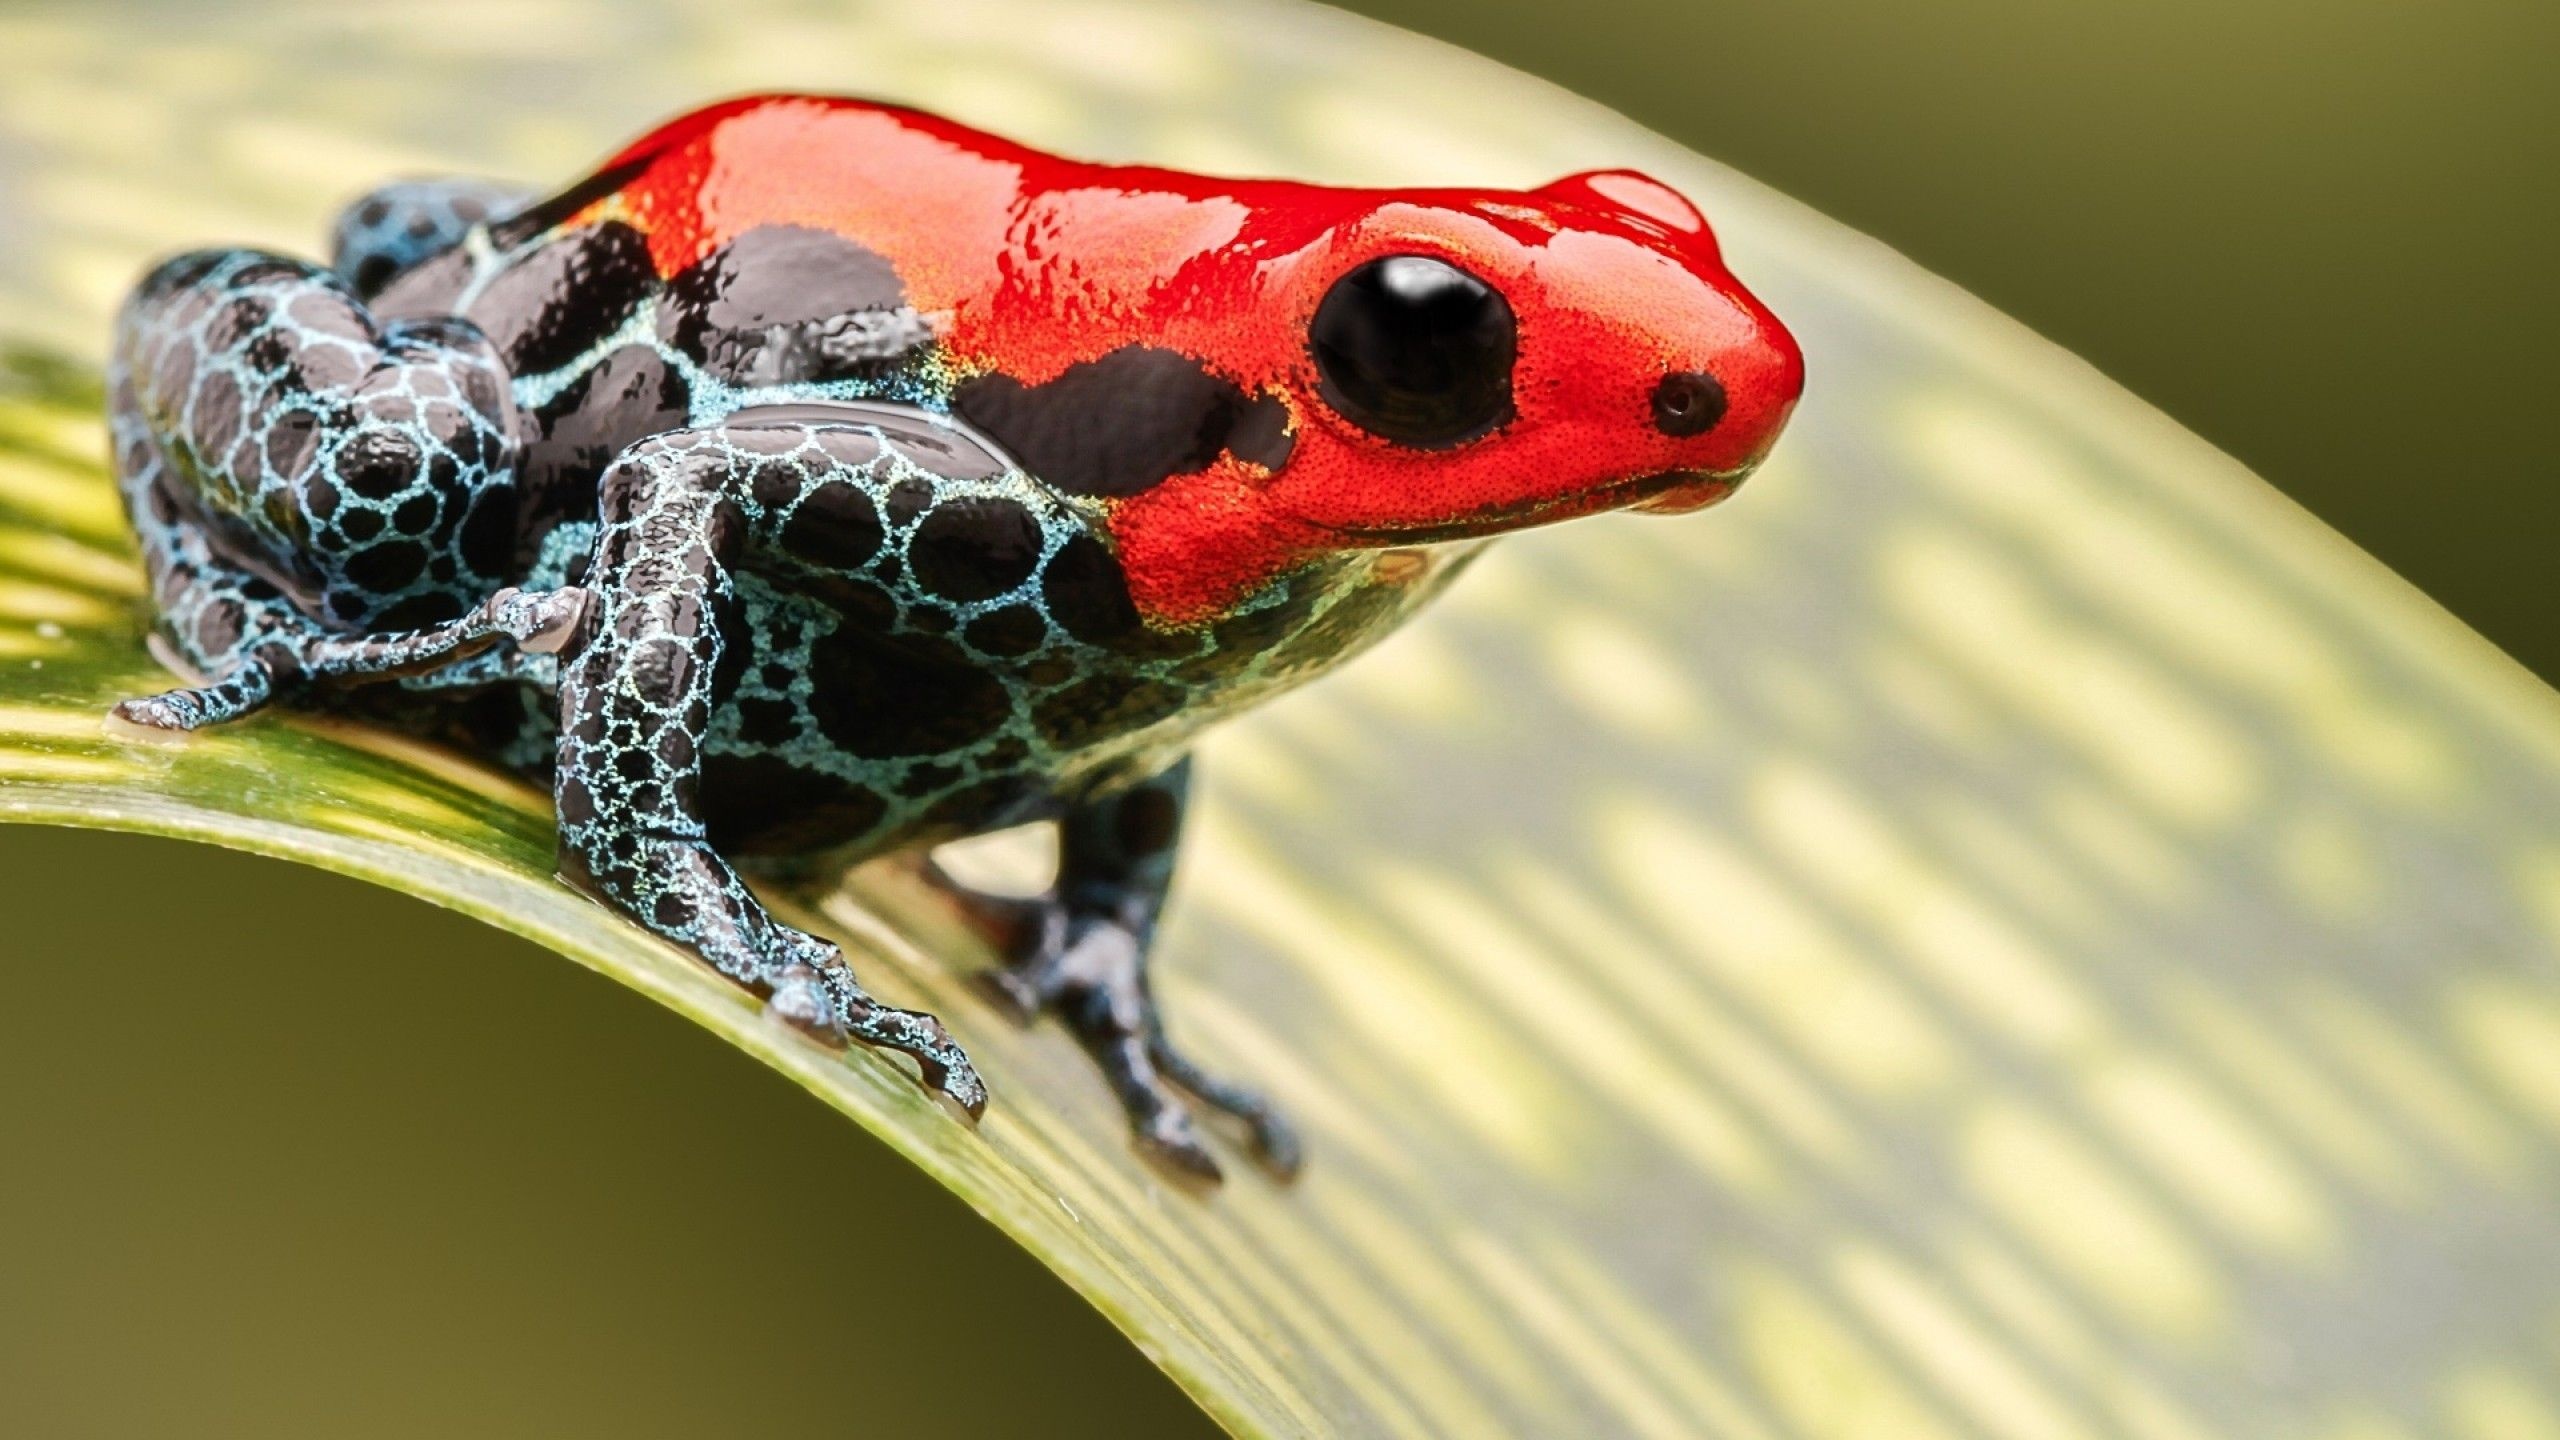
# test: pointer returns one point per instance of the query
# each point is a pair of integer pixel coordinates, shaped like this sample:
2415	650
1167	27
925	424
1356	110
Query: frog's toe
815	993
800	1000
944	1067
173	710
1172	1141
1273	1139
242	692
1093	978
543	622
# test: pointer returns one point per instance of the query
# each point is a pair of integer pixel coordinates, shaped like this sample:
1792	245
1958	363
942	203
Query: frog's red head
1461	363
1495	362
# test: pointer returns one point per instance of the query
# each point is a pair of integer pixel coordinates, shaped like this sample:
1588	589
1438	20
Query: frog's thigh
367	468
226	623
391	228
342	509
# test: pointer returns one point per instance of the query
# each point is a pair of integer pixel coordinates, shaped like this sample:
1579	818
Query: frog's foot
1090	970
817	995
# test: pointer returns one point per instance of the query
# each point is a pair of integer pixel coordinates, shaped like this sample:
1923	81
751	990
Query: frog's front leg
680	515
1082	953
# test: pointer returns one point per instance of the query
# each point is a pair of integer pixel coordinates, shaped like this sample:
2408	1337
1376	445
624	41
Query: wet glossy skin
819	479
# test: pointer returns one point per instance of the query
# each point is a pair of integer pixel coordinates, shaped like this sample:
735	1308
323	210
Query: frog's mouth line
1673	492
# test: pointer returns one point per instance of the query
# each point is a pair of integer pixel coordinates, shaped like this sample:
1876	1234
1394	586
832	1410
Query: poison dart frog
821	478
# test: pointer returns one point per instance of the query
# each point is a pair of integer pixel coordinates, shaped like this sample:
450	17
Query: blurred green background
2317	235
248	1216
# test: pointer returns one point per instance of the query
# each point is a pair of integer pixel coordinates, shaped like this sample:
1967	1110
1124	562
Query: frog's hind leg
393	227
223	622
281	648
318	496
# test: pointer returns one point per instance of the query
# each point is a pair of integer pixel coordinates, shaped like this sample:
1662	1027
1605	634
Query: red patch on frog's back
1028	261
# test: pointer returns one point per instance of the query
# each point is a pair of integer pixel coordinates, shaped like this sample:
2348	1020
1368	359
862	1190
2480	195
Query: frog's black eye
1416	351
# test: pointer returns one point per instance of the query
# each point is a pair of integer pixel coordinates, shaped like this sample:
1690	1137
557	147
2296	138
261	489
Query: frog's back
796	247
621	315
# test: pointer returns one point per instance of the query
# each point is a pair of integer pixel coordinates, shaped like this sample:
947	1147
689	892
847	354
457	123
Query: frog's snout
1687	403
1724	429
1722	416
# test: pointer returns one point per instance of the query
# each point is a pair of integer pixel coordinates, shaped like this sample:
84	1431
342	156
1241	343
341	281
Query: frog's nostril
1688	402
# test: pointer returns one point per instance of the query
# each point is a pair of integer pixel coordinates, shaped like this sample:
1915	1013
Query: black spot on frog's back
533	220
834	526
1007	631
786	303
1126	421
558	300
425	289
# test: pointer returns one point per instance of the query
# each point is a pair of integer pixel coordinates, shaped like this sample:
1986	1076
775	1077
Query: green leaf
2009	928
